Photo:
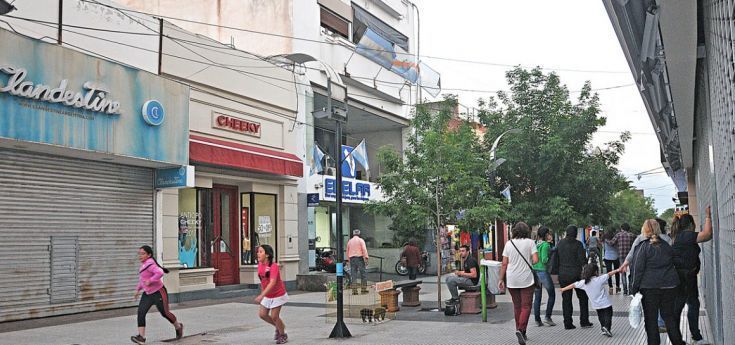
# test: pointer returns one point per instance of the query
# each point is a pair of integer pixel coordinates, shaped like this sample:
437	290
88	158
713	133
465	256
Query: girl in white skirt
273	292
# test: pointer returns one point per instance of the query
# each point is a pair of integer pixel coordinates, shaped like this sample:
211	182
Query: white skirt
270	303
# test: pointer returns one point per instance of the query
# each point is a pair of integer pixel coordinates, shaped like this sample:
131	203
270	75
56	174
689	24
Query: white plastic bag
635	311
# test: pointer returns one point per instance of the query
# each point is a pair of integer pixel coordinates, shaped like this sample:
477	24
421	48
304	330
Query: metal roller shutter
70	233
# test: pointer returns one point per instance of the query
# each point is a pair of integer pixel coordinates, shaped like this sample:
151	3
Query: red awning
233	155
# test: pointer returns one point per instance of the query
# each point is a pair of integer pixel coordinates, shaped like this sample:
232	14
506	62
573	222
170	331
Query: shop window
189	228
259	219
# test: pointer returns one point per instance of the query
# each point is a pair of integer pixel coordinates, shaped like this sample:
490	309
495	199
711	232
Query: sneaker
617	290
606	332
539	323
179	331
282	339
700	342
521	339
587	325
549	322
138	339
570	326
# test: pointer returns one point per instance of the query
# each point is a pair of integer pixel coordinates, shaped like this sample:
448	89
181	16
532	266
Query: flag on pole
360	155
316	160
506	193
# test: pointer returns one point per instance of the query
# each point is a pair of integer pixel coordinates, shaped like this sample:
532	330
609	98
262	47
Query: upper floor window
334	23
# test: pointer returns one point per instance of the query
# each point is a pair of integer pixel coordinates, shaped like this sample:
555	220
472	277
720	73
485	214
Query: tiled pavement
308	322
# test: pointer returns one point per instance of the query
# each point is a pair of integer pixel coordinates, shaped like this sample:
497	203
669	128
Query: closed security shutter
70	233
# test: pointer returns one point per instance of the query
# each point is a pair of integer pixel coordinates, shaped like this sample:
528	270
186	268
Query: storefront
82	144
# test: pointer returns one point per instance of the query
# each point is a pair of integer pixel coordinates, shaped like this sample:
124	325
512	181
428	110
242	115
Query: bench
410	289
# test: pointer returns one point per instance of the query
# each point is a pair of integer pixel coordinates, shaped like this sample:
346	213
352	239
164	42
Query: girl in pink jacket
150	275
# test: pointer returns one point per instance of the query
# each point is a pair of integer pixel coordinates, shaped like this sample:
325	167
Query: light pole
495	163
339	115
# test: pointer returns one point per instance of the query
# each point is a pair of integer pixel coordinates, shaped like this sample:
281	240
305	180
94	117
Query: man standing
357	252
468	275
571	260
623	242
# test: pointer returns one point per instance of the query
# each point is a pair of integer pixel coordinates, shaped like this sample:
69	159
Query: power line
335	43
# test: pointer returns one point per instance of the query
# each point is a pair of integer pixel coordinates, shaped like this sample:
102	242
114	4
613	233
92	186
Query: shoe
606	332
364	291
570	326
549	322
625	292
525	337
539	323
617	290
662	329
587	325
138	339
179	331
521	339
282	339
700	342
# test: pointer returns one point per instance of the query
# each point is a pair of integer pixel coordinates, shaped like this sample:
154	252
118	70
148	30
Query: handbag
536	280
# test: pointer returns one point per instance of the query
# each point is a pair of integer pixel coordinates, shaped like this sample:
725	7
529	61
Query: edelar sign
94	98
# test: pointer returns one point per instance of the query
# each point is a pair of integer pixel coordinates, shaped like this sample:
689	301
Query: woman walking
612	261
686	260
654	276
273	292
543	247
518	254
154	293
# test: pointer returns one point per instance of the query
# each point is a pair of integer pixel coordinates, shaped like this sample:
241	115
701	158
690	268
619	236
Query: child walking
273	292
154	293
599	297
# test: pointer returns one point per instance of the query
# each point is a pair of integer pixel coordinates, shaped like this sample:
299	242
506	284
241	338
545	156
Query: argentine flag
360	155
316	160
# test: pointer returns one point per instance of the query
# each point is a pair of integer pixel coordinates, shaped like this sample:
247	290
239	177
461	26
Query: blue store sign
181	177
91	104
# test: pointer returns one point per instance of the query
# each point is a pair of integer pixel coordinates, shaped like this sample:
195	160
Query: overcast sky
568	34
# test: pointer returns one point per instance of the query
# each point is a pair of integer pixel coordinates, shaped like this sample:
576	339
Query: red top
266	273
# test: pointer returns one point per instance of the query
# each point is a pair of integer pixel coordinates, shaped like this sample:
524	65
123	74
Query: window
334	23
259	224
190	226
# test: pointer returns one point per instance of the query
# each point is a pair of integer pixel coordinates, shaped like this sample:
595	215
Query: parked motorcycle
402	270
325	259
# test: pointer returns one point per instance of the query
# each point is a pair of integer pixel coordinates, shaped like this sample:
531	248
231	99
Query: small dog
377	314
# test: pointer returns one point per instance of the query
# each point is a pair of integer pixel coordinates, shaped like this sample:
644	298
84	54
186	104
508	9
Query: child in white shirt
595	287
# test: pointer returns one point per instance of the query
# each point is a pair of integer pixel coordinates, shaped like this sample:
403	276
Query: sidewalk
236	322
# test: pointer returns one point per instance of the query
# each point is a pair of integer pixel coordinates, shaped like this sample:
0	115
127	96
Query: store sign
53	95
353	191
182	177
94	98
233	124
312	200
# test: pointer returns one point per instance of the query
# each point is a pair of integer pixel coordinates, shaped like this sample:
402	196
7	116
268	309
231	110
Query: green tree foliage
442	167
556	176
668	216
629	206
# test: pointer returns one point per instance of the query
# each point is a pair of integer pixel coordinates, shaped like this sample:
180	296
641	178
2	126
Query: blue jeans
548	285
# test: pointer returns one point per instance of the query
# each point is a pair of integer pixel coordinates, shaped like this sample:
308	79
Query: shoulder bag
536	280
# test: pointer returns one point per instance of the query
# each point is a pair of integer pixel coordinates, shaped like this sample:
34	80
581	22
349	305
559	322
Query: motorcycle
325	260
402	270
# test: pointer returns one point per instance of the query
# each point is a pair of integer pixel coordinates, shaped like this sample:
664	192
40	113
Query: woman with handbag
518	255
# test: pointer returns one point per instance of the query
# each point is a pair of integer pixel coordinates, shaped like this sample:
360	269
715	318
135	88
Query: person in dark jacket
571	260
654	276
412	256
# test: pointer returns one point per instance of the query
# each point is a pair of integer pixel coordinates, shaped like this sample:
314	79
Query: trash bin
493	275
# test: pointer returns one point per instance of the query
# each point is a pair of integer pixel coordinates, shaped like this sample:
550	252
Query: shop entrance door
225	251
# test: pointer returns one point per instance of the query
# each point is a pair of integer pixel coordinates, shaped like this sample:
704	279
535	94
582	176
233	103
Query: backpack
451	309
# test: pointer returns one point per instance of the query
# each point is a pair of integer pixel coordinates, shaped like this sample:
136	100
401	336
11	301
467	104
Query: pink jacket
149	272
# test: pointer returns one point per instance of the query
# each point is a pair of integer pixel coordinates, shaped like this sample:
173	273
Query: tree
629	206
667	215
557	177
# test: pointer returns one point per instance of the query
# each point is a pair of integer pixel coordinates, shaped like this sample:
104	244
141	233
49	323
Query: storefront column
288	236
167	235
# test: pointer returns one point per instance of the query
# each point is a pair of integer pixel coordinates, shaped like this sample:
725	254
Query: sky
558	35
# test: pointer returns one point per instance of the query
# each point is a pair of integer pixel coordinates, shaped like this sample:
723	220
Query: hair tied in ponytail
149	250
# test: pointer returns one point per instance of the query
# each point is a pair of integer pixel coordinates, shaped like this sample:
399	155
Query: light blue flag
506	193
360	155
316	160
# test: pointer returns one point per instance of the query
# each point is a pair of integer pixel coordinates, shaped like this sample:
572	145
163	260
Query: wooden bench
410	289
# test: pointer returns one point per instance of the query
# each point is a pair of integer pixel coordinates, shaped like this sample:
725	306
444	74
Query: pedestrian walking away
150	281
358	255
612	261
593	246
686	260
518	254
412	257
654	276
542	268
571	260
623	242
273	294
594	285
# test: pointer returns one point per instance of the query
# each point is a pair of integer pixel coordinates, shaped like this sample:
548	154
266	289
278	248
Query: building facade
681	55
87	147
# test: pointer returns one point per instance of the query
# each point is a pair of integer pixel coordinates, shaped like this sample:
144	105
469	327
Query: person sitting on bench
466	276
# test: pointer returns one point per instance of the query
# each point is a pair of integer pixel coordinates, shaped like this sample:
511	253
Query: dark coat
652	267
572	258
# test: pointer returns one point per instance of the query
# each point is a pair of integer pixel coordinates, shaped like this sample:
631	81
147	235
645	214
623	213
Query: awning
222	153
